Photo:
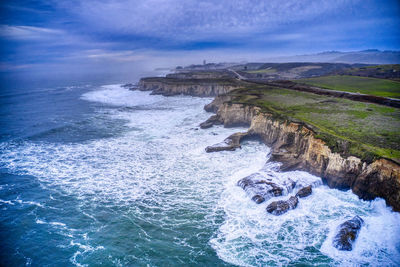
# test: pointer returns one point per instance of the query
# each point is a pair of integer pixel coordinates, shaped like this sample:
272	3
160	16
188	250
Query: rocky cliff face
295	146
200	88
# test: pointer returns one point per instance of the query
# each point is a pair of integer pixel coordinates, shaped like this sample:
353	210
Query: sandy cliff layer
295	146
199	88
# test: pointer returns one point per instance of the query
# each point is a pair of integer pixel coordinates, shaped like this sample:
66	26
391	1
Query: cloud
28	32
194	19
5	66
114	35
116	56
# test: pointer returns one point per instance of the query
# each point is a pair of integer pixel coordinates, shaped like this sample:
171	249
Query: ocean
103	176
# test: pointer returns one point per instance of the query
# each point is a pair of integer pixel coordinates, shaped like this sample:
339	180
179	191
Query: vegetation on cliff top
387	71
356	84
368	131
267	70
291	70
194	81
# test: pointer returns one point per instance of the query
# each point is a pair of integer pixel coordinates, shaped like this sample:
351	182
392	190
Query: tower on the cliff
204	62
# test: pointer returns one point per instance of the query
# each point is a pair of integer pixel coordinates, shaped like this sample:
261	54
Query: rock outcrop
294	145
347	233
282	206
213	120
129	86
261	188
216	103
229	144
304	192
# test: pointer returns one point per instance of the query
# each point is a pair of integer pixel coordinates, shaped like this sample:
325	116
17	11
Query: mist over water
103	175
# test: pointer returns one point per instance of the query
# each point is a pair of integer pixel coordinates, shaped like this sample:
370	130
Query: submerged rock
261	188
347	234
129	86
304	192
282	206
258	199
213	120
223	146
229	144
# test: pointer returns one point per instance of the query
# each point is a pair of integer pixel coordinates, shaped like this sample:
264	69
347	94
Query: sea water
105	176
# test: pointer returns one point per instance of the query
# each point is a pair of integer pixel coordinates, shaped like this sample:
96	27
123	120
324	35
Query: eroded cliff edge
294	143
296	147
202	87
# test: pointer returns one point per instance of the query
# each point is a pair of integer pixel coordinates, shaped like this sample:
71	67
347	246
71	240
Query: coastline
293	143
146	163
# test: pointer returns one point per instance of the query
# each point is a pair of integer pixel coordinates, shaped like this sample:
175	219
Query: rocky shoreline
296	147
294	144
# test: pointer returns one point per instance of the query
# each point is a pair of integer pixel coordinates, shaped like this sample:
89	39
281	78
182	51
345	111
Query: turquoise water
103	176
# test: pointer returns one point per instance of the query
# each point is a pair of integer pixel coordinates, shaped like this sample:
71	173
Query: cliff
295	145
348	143
195	87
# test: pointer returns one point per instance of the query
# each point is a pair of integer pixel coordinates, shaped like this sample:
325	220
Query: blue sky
110	36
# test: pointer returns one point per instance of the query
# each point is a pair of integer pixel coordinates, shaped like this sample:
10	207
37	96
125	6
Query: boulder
282	206
213	120
129	86
229	144
258	199
347	233
223	146
260	188
304	192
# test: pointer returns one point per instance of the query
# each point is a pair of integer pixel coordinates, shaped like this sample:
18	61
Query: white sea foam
161	165
83	249
118	96
38	221
74	260
250	236
31	203
58	224
55	224
6	202
377	243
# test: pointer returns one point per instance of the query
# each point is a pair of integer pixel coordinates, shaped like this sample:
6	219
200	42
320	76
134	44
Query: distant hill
371	56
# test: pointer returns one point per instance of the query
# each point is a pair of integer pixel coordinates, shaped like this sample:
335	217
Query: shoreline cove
142	190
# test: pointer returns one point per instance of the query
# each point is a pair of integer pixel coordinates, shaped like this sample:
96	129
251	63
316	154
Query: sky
120	39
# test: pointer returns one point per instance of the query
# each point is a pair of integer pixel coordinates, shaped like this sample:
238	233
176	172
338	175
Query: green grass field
386	71
370	131
384	67
268	70
355	84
